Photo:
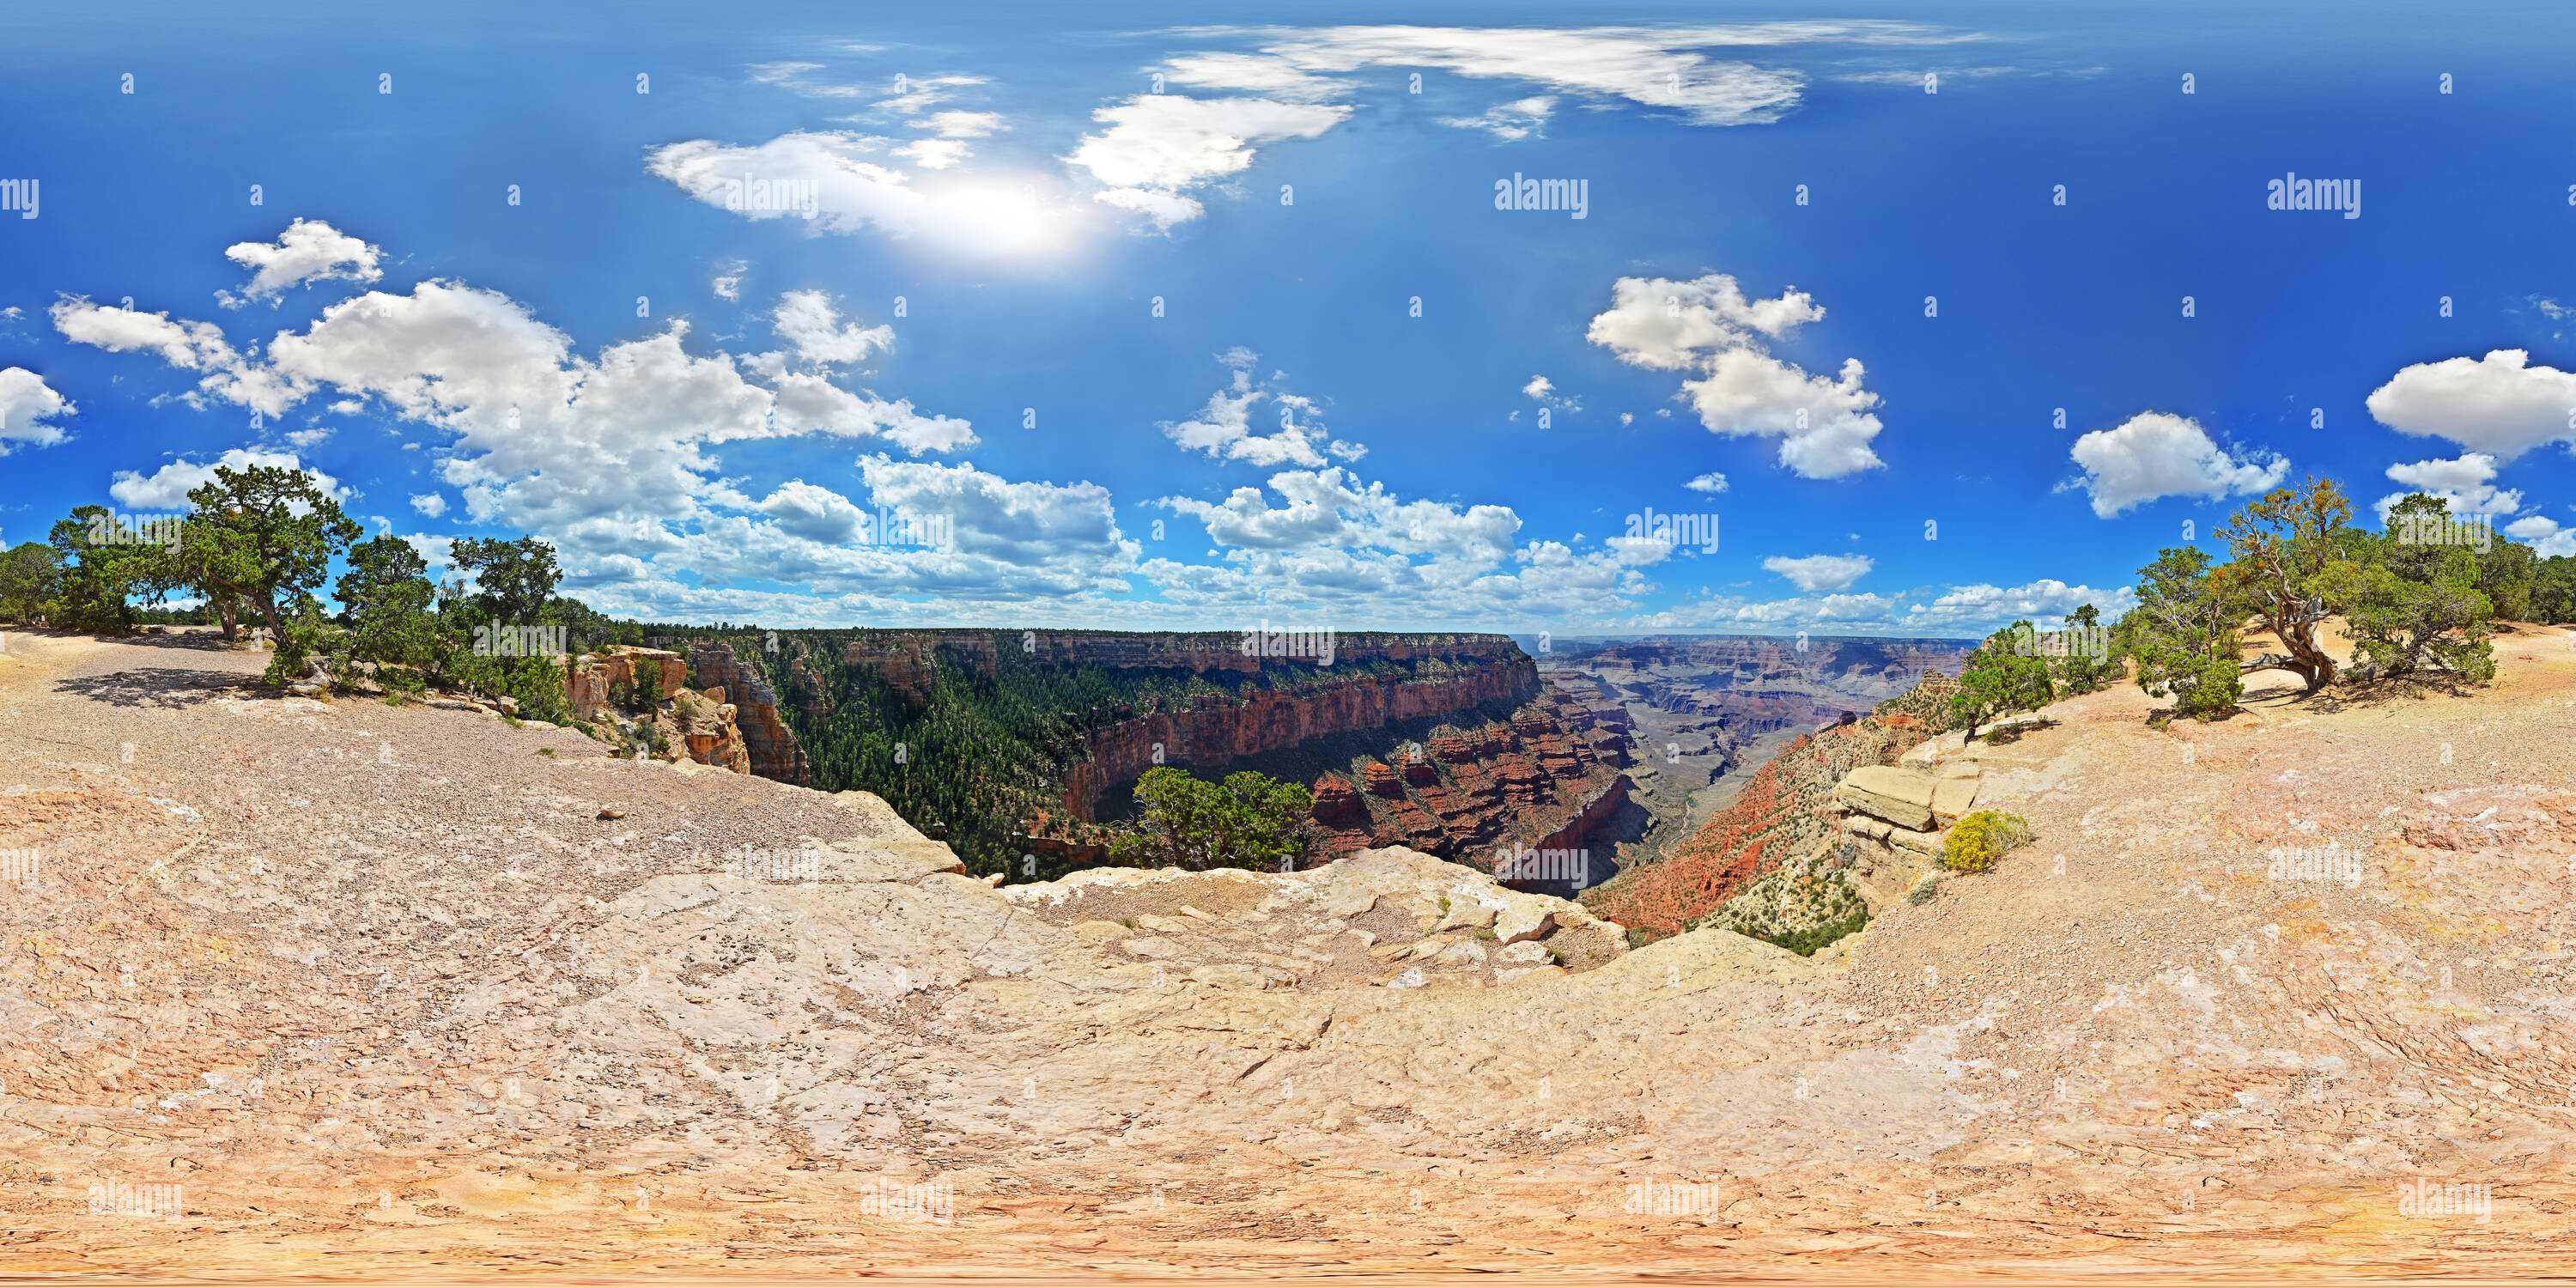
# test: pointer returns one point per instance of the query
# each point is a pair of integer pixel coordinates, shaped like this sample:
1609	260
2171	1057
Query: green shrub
1805	941
1923	891
2213	690
1981	838
1249	821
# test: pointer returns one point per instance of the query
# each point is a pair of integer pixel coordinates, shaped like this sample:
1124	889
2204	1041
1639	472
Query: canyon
1704	712
1447	742
1487	670
1460	746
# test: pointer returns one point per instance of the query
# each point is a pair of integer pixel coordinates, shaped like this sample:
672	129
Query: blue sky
459	365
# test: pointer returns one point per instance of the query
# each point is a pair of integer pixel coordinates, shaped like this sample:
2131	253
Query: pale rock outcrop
1899	796
1954	793
654	673
1897	820
703	725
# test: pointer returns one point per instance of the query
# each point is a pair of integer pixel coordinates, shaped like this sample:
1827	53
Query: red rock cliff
1215	736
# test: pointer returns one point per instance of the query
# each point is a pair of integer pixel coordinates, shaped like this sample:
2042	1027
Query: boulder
1953	796
1884	791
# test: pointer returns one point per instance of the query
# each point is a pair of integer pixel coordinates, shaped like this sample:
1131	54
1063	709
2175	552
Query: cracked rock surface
379	988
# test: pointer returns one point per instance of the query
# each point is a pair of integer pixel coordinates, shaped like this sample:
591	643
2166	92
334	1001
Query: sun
999	217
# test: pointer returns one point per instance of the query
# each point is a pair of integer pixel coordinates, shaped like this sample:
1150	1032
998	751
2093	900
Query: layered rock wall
771	745
1215	736
1471	794
908	660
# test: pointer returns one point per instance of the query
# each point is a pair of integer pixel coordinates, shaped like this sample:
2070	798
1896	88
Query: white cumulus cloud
1818	573
935	154
1223	428
2500	404
28	408
2466	485
2549	539
1158	145
2155	454
308	251
807	320
1825	424
1650	67
814	513
851	193
167	488
190	346
1510	122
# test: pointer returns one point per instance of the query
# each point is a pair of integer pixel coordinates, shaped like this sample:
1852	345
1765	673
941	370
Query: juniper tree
2183	634
30	576
2001	677
266	535
2288	554
2411	606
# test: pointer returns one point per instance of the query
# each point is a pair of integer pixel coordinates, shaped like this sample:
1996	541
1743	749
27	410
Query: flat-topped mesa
1759	657
909	663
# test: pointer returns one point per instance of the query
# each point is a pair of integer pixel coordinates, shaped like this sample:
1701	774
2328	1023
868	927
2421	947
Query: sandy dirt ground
302	990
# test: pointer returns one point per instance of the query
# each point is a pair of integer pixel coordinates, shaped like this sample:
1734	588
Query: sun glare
999	217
